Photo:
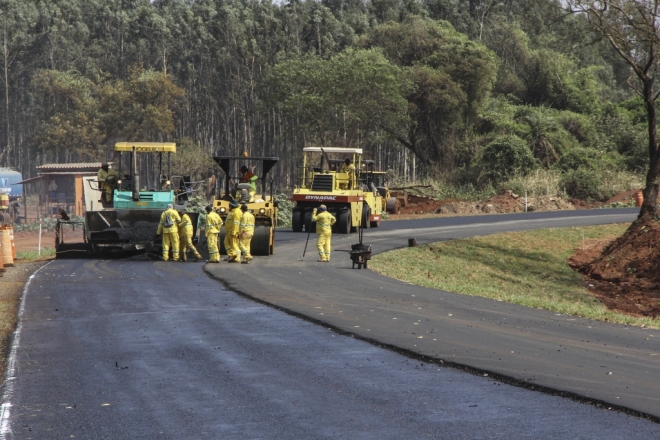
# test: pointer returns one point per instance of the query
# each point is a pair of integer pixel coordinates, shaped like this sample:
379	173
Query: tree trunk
649	208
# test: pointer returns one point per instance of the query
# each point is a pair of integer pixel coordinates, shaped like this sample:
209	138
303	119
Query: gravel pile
140	232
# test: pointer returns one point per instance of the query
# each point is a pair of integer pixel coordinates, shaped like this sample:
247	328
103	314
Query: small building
68	186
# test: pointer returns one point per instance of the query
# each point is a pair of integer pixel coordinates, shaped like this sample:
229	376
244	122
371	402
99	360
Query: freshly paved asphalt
139	349
612	364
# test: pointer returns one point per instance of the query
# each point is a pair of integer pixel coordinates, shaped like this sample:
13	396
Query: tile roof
88	165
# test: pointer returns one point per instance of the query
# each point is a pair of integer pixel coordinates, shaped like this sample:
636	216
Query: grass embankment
525	268
30	256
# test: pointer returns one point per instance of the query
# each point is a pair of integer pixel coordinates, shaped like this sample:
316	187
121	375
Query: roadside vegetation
33	255
525	268
474	95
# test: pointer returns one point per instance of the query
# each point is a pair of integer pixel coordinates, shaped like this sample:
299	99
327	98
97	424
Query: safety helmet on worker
323	208
244	169
233	204
208	208
170	206
105	165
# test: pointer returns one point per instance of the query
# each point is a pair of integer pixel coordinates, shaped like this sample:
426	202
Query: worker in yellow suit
169	229
213	225
185	237
349	169
233	226
107	178
245	234
324	222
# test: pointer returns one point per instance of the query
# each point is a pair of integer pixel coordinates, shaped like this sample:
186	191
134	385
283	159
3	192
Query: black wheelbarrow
360	254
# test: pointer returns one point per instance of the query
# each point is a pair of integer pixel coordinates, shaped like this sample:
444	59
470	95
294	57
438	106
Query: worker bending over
107	178
213	225
168	228
324	222
186	236
245	234
233	226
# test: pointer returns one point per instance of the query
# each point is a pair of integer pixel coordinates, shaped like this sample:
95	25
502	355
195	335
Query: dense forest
471	92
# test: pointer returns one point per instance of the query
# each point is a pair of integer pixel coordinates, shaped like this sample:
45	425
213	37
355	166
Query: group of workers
239	225
176	230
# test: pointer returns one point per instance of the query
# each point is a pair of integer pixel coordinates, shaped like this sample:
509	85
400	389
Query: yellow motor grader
263	206
351	197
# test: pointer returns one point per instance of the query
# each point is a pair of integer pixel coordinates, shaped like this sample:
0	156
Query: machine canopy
146	147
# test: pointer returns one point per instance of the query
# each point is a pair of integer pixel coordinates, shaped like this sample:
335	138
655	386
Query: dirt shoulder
623	273
11	289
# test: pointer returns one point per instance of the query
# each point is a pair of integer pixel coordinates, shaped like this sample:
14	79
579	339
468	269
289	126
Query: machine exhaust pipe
135	178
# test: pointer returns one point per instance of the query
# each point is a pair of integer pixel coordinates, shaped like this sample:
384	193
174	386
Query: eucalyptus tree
16	19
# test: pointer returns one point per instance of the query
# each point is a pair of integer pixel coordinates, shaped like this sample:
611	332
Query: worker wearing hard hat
107	178
251	178
324	222
233	226
245	234
168	228
213	225
349	169
185	237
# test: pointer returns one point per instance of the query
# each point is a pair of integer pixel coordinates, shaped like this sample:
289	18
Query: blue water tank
7	179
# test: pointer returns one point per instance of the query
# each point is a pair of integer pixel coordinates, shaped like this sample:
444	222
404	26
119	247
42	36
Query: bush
284	210
507	156
576	158
584	184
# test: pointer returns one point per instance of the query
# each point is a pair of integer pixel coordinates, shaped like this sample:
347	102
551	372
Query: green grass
526	268
46	254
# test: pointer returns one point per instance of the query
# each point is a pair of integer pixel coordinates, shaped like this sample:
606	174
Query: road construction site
144	349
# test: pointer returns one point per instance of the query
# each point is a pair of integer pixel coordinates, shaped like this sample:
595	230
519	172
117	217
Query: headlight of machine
222	210
262	211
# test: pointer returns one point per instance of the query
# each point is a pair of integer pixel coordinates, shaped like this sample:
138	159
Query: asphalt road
140	350
612	364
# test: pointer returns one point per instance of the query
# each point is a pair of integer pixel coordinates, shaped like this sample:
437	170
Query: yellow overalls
324	222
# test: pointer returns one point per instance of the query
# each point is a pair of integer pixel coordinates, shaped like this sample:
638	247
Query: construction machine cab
322	168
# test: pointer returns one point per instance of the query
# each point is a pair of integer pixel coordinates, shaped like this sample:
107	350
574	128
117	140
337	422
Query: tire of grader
393	206
297	221
308	222
366	216
344	222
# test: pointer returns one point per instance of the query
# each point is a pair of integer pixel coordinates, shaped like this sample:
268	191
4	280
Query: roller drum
262	240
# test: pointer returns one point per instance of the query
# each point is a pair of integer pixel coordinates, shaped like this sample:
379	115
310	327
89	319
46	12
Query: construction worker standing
107	178
168	227
349	169
245	234
251	178
185	237
233	226
213	225
324	222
